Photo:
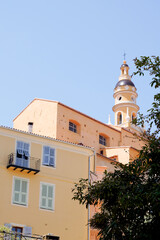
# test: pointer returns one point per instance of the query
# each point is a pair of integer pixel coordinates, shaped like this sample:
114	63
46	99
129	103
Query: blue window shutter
8	225
27	231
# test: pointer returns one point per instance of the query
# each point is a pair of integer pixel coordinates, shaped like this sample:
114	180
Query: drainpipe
89	180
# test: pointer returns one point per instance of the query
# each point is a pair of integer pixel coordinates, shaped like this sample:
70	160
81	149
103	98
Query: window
101	152
30	127
48	156
72	127
18	232
20	191
47	196
22	154
133	99
119	118
119	98
102	140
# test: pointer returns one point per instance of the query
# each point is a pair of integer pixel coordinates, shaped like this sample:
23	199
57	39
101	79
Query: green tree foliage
3	232
129	198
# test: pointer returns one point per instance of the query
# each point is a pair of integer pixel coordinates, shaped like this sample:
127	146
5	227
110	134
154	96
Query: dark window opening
119	118
72	127
102	140
101	152
18	232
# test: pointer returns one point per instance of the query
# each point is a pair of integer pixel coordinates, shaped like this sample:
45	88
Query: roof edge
68	108
47	137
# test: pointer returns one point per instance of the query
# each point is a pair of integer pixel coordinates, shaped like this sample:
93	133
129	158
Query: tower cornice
125	104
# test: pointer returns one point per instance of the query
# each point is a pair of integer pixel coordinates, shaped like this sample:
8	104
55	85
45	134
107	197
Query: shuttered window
48	156
47	196
20	191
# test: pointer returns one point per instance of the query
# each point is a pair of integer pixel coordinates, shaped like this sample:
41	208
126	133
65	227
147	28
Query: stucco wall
42	113
89	129
69	219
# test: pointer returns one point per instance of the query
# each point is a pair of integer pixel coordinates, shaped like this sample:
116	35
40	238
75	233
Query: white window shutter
8	225
27	231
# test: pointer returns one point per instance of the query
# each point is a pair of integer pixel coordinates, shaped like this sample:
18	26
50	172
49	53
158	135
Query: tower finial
124	55
109	120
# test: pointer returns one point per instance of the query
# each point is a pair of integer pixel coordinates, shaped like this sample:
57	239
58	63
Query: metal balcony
24	163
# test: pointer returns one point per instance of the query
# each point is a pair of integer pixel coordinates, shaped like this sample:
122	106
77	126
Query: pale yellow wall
101	161
69	219
89	129
42	113
122	152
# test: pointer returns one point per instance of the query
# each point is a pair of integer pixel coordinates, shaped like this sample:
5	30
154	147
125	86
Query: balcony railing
27	164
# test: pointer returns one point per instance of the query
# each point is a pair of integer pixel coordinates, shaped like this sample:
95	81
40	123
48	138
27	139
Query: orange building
111	142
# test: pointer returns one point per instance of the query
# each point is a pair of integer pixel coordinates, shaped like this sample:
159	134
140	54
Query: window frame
102	141
73	128
13	191
47	165
40	197
18	235
119	112
19	140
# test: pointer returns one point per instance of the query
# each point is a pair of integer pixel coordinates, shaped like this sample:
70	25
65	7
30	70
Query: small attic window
102	140
73	127
30	127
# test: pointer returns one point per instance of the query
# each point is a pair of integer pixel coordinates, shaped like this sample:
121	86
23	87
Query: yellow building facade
37	175
57	135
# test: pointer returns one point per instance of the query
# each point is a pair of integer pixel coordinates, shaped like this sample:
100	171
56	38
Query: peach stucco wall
51	118
130	139
42	113
89	129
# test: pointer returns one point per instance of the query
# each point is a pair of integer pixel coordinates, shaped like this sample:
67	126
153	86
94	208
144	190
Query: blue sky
71	51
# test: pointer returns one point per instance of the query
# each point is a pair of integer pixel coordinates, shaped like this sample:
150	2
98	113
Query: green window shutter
17	187
20	191
44	196
47	196
17	184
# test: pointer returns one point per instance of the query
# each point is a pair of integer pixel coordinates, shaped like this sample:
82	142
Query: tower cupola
125	96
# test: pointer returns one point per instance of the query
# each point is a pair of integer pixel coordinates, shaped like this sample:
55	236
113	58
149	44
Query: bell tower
125	96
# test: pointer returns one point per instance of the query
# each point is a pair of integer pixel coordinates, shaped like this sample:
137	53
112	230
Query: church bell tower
125	96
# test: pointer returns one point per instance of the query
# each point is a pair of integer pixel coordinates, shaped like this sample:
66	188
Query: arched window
74	126
103	139
119	118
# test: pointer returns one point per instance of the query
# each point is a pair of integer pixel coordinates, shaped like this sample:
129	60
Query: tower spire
124	55
125	96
